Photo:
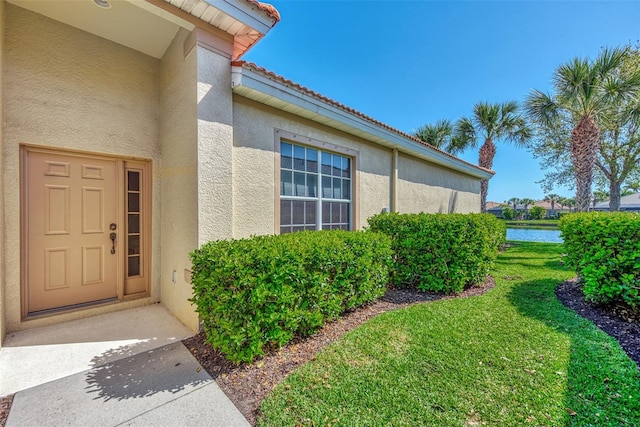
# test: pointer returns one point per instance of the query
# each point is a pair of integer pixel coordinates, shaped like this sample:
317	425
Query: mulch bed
616	320
5	405
247	384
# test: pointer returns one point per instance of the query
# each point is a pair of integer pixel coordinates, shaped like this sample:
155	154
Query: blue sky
407	63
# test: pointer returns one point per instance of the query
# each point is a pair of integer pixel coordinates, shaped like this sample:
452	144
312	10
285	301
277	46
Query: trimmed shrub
537	212
604	249
440	252
508	213
258	293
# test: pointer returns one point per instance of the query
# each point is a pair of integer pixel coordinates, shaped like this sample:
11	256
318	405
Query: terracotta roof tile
266	7
343	107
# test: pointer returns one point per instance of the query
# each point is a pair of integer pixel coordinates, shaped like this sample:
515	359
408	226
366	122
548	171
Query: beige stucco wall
215	146
2	179
254	166
67	88
178	176
421	186
196	140
424	187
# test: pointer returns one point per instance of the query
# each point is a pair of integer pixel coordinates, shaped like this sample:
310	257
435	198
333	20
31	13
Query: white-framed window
315	189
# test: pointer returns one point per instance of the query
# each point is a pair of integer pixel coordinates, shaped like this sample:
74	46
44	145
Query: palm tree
584	90
553	199
526	202
514	201
491	122
633	186
439	135
569	202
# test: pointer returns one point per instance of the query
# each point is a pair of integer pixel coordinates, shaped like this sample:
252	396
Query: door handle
112	236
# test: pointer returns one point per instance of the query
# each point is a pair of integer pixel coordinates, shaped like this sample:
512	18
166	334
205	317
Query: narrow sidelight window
134	223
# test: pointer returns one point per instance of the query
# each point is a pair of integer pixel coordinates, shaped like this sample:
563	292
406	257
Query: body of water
528	235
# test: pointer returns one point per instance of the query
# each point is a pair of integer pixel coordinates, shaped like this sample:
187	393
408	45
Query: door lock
112	236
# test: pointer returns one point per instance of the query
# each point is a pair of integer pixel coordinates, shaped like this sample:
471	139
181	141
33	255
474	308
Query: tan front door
71	210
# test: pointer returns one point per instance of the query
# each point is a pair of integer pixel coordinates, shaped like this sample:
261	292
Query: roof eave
248	21
261	17
255	85
250	13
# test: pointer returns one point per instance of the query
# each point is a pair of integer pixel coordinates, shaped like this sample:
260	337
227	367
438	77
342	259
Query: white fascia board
243	79
244	12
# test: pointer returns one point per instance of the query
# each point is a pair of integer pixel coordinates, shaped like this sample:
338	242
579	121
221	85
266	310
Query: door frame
146	200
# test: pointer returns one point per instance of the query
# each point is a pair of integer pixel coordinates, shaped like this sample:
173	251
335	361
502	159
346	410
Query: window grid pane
326	163
303	170
335	215
300	186
312	160
298	158
286	183
286	156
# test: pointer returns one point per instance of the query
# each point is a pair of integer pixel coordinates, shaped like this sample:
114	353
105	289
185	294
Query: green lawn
514	356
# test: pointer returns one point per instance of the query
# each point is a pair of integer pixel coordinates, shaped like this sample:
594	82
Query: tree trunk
614	196
484	189
585	143
485	160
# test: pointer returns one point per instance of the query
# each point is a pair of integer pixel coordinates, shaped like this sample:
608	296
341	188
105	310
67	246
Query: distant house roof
630	202
547	205
257	83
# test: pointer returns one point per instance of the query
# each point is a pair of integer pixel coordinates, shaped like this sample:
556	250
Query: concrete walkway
74	375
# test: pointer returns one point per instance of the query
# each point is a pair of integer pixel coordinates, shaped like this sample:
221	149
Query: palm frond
618	88
542	108
609	60
487	117
508	108
573	82
518	131
464	135
437	135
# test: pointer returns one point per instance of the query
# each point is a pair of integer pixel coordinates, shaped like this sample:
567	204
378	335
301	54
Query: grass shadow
603	384
555	265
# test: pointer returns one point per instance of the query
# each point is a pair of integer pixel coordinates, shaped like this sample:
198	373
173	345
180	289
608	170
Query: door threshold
69	308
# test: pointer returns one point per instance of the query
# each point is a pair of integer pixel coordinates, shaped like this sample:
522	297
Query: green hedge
604	248
258	293
440	252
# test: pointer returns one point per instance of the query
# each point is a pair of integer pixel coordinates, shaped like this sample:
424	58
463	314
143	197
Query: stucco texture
178	177
67	88
2	204
424	187
215	147
254	166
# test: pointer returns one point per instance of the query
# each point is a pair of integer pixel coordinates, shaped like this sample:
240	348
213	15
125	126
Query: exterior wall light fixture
104	4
